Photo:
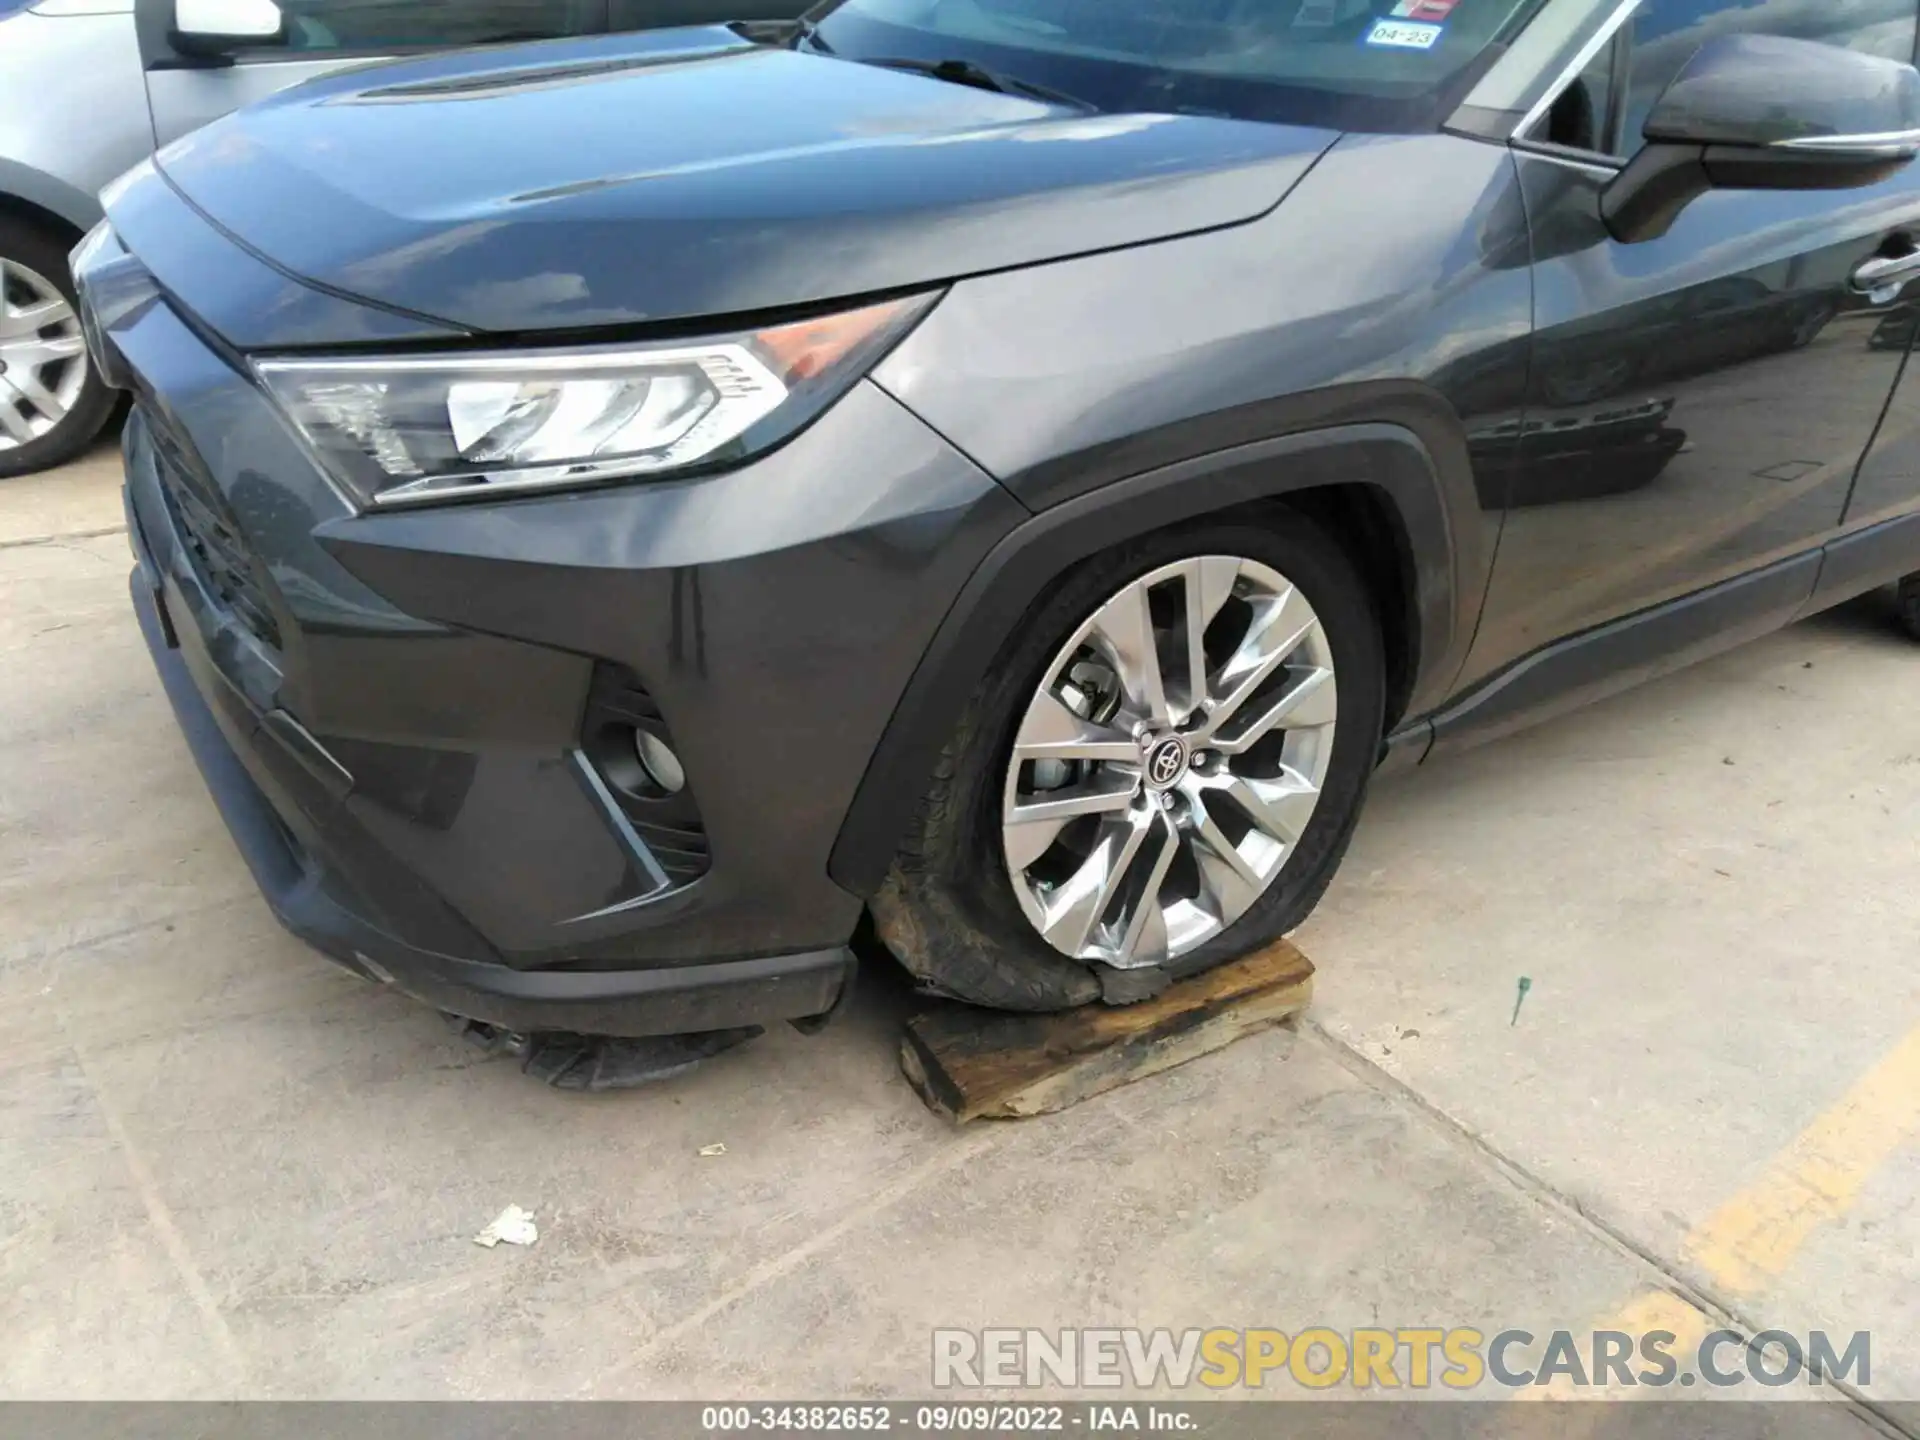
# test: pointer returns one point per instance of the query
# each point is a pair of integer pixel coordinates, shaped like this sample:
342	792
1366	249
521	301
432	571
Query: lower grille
221	558
669	825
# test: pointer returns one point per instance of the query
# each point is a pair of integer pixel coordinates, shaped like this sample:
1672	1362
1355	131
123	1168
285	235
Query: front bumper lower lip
669	1000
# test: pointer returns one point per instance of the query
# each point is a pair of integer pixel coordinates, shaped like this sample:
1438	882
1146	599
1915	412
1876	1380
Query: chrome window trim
1894	144
1538	65
1577	66
1601	167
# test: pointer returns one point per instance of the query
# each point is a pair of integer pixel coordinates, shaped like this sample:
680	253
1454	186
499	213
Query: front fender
1418	463
43	192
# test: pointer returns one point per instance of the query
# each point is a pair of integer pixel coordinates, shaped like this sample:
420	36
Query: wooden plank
968	1063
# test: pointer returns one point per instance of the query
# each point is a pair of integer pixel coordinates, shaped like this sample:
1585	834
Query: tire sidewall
42	252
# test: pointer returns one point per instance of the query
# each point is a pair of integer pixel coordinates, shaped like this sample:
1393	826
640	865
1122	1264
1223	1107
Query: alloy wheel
1165	771
43	355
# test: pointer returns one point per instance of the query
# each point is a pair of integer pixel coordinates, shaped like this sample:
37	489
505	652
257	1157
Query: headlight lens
414	429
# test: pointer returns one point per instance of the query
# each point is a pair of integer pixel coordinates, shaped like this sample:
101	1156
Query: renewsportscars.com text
1410	1358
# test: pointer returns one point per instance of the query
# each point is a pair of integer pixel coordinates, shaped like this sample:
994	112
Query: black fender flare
1417	460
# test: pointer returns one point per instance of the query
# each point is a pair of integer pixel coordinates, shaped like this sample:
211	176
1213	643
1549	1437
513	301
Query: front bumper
404	718
309	900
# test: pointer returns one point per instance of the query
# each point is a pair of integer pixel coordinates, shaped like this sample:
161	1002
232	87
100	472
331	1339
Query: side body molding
1428	494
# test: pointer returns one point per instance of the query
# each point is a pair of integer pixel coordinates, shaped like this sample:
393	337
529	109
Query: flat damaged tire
1160	774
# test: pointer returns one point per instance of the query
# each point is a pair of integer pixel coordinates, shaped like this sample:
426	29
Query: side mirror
216	28
1758	112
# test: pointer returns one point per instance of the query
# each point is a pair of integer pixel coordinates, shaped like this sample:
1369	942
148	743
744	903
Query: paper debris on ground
512	1225
711	1150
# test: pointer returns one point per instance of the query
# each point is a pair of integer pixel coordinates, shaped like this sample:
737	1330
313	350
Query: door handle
1883	278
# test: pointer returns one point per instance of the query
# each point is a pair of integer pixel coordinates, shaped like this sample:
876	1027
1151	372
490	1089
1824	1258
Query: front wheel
1909	603
1162	776
52	403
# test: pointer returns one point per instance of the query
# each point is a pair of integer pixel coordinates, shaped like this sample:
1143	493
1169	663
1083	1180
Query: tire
948	909
44	254
1909	605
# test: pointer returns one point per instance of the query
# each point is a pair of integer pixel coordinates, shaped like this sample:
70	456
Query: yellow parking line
1646	1312
1754	1237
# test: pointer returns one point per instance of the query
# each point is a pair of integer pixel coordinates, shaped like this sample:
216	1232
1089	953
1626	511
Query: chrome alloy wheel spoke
1143	842
1169	764
1275	813
43	355
1124	628
1280	626
1033	825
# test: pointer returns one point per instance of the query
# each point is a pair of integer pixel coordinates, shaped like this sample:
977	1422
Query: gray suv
88	88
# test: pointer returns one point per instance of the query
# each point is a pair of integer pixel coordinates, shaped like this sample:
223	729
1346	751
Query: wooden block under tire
968	1063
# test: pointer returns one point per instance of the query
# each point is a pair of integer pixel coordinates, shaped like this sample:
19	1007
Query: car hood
685	173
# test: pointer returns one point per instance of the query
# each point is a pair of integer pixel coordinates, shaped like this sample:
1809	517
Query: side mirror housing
1758	112
214	29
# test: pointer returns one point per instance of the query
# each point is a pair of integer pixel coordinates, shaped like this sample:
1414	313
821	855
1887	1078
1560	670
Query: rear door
323	35
1699	403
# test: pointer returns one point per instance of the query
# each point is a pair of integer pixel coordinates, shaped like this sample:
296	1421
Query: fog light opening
664	773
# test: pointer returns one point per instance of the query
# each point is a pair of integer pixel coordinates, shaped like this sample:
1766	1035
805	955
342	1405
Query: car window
1348	64
406	24
1586	114
1666	33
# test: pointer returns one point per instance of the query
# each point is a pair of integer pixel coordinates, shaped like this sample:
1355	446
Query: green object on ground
1526	984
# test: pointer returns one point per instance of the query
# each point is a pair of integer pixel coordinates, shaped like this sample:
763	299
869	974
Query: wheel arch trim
1421	469
35	195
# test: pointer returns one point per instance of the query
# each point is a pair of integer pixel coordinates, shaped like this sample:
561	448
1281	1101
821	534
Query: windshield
1346	64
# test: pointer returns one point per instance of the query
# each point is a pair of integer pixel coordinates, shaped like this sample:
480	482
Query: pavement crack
49	958
760	1276
1537	1186
19	542
160	1216
1716	1307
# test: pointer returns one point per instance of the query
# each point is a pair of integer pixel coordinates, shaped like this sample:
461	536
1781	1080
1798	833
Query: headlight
409	429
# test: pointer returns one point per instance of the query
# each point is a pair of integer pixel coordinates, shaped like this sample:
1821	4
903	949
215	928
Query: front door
1699	403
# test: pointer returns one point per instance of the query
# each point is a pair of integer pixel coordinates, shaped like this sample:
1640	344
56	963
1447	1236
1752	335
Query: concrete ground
232	1170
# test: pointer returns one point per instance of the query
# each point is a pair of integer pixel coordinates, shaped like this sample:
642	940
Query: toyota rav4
610	511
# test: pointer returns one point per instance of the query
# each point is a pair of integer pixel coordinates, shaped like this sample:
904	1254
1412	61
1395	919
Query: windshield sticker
1405	34
1435	10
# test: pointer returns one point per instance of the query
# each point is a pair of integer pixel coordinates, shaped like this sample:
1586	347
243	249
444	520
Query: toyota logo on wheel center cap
1166	762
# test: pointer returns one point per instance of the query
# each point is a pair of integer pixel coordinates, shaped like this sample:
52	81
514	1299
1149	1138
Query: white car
88	88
